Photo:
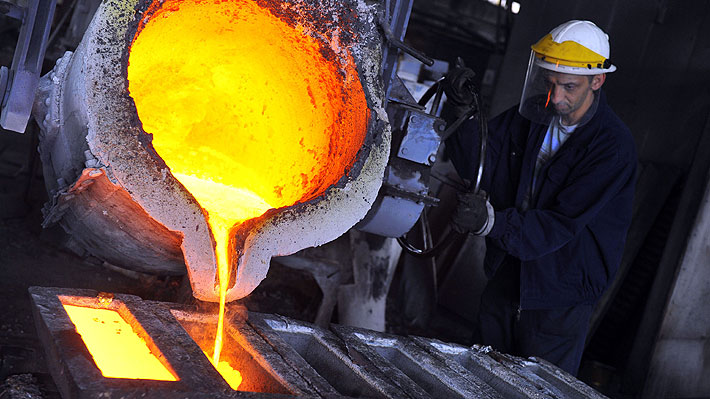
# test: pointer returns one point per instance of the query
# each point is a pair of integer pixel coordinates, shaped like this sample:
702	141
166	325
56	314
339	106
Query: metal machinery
415	139
19	83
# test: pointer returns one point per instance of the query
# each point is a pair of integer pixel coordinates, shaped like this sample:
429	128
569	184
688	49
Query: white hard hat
575	47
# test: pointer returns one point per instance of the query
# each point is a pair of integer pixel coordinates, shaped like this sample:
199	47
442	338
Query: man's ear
598	81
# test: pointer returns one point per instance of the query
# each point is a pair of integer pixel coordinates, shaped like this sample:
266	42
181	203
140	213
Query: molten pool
117	349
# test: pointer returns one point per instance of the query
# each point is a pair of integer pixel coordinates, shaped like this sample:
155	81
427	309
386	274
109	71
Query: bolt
404	151
432	158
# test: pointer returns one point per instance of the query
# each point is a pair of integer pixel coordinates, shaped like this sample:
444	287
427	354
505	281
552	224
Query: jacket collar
583	134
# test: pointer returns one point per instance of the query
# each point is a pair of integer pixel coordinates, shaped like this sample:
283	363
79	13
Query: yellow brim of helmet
568	53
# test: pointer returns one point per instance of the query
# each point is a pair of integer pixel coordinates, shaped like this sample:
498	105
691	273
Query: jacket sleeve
606	171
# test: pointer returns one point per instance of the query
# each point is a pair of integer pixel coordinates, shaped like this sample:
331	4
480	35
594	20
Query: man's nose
556	94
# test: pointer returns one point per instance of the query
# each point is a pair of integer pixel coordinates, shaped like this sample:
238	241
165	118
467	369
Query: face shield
554	93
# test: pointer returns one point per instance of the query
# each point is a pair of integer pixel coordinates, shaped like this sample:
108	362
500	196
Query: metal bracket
421	140
19	83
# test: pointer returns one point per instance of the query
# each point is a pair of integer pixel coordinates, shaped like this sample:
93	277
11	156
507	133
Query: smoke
236	314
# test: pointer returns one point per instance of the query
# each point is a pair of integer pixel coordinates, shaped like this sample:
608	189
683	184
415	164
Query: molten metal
118	351
232	376
249	112
244	109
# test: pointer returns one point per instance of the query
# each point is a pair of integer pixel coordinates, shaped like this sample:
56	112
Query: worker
556	203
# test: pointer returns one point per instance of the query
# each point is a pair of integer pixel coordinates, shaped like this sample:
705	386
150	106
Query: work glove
473	214
459	88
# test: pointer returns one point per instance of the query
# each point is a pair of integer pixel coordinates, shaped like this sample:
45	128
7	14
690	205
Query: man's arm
534	233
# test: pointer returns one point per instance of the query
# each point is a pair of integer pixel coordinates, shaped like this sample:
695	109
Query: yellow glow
248	112
116	348
221	236
232	376
232	93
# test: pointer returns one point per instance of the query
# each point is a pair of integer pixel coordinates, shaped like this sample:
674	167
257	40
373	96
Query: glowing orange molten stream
249	112
116	348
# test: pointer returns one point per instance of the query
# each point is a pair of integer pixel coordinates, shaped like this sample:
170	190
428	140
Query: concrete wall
680	363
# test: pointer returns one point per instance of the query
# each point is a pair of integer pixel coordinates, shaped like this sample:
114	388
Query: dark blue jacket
570	240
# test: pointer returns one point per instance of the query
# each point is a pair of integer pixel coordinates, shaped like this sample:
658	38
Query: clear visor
546	97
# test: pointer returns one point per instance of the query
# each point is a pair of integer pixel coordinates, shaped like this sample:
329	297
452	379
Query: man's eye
569	87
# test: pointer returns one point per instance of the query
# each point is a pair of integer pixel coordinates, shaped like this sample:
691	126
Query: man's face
571	95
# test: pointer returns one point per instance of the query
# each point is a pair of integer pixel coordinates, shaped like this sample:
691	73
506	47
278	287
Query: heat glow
118	351
232	376
248	111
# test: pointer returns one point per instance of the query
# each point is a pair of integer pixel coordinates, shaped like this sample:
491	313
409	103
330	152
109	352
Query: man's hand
473	214
459	86
459	89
